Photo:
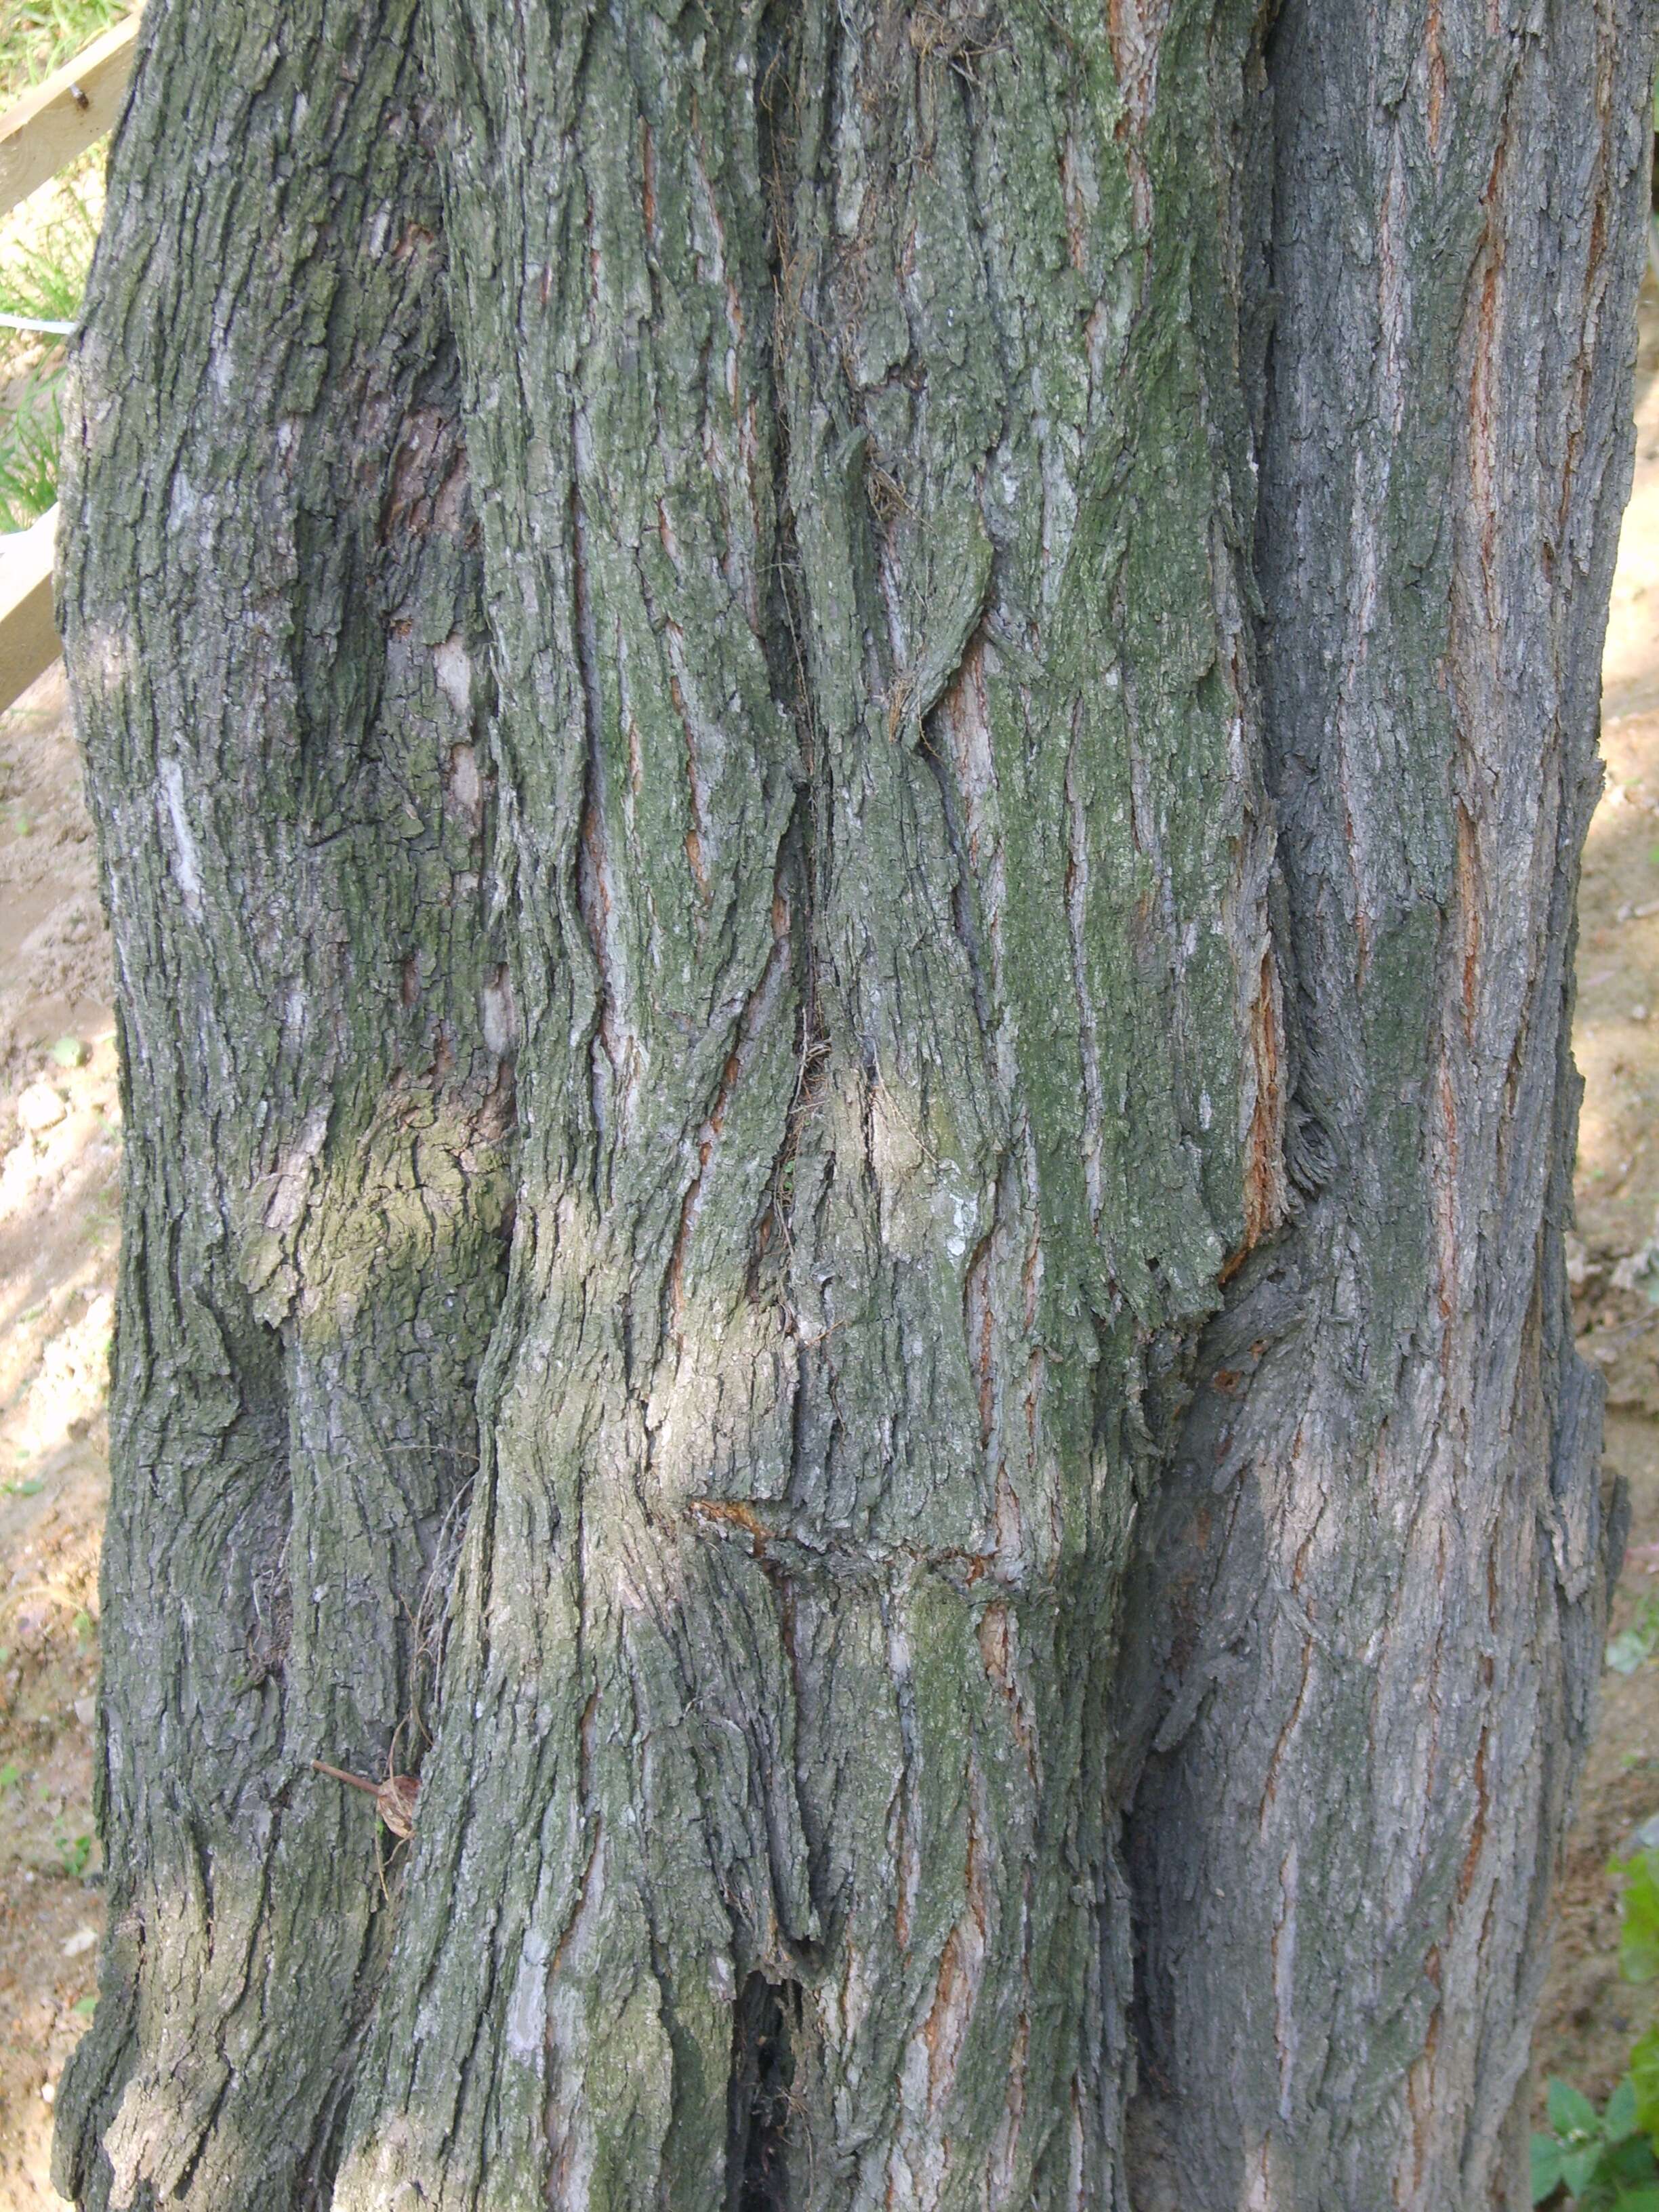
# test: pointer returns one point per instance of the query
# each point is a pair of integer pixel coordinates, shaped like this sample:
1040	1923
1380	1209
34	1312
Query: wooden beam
28	637
62	118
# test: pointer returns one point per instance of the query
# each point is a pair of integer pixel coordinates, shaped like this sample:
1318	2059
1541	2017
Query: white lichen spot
464	788
500	1013
182	500
454	673
964	1219
186	858
526	2012
106	659
291	1179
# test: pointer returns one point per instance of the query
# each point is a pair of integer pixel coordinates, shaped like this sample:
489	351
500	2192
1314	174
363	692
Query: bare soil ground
59	1172
59	1169
1590	2016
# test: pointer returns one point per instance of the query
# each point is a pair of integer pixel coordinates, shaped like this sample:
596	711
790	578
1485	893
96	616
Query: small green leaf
1636	2200
1638	1931
1644	2080
85	2006
1578	2168
1619	2119
69	1052
1629	2164
10	1775
1545	2167
83	1624
31	1488
1572	2113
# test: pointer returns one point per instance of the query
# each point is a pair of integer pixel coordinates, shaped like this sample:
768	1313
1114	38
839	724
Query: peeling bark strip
976	847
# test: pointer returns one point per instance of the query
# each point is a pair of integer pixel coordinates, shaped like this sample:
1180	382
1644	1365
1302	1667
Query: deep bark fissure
762	2077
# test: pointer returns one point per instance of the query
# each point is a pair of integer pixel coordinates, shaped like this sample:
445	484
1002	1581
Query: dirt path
59	1163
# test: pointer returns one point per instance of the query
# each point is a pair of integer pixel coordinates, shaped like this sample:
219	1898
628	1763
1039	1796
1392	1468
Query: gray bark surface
839	754
273	617
1378	1570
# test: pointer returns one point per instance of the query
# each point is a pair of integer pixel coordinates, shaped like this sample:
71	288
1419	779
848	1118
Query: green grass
31	432
43	274
45	278
37	35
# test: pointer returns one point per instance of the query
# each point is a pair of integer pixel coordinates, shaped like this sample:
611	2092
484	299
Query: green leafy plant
1603	2161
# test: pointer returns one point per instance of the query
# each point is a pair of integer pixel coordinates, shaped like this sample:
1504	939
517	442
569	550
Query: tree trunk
911	692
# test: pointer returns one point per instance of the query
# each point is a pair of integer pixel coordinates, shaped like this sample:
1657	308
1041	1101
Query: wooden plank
61	118
28	637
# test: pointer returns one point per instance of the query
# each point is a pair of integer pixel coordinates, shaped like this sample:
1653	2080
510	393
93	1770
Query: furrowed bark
1034	1575
1376	1582
269	599
864	521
